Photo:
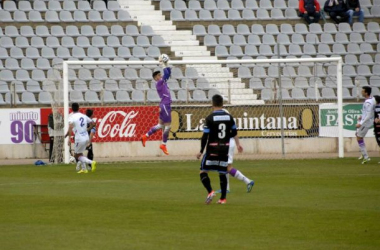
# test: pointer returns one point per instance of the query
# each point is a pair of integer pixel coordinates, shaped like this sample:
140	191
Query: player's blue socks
363	148
154	129
206	182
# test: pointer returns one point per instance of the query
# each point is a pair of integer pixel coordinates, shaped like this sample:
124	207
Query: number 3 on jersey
222	133
81	121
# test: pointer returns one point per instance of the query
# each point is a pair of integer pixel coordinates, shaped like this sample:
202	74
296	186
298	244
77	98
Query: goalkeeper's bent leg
154	130
165	135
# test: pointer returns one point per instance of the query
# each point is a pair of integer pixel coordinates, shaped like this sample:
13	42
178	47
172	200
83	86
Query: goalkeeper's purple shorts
165	113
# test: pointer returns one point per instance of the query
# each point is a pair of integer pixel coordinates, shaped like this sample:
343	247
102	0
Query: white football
72	159
164	58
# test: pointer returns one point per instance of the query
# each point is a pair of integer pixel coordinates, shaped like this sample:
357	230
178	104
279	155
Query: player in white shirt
78	124
231	170
365	122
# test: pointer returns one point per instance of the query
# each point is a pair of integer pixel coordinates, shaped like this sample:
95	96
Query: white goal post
336	60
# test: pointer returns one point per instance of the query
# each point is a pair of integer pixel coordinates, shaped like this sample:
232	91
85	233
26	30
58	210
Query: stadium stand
37	36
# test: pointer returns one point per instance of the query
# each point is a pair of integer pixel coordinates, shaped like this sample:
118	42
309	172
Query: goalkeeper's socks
363	148
206	182
84	159
153	130
228	181
238	175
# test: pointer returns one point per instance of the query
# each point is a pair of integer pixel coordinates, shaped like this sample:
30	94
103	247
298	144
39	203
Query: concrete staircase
184	44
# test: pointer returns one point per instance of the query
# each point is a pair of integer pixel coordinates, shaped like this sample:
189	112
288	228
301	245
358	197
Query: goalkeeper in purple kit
165	118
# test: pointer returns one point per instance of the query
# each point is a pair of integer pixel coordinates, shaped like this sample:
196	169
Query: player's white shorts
231	151
362	131
80	147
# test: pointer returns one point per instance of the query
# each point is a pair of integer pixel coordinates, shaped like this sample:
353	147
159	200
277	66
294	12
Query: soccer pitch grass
295	204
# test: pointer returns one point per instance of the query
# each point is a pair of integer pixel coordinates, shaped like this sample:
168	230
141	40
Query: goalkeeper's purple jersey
162	87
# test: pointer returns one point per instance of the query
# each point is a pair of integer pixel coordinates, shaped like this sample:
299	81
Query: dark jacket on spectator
352	4
303	8
340	7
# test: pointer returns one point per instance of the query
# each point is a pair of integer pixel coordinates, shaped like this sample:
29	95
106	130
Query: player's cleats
143	139
360	158
366	160
209	197
222	201
250	186
220	191
83	171
93	166
164	149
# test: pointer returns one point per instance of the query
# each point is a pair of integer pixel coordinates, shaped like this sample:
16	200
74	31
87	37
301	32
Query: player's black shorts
377	136
214	163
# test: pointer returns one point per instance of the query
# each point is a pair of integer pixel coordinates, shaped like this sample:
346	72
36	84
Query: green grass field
295	204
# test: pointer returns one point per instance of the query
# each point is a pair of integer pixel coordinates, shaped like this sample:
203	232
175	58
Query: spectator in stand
309	8
337	10
354	9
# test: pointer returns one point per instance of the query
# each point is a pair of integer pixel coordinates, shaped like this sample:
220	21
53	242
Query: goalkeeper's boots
366	160
143	139
250	186
220	191
93	166
209	197
222	201
164	149
83	171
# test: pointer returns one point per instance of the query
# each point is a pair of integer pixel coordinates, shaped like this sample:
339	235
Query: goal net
279	105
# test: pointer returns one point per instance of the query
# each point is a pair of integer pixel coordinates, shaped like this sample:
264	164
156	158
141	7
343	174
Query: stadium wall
253	148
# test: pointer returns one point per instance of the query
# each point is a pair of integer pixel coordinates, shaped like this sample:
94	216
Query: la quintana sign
328	118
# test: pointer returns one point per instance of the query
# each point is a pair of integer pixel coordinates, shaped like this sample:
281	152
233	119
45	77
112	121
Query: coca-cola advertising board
117	124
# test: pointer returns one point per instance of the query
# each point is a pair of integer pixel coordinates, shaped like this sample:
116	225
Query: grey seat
366	59
234	15
346	93
143	41
94	16
98	41
33	87
283	39
304	71
220	15
267	95
194	5
180	5
289	71
132	30
255	83
374	81
26	31
248	14
93	52
11	31
324	49
244	72
51	42
91	97
65	16
191	73
328	93
315	28
225	40
99	6
122	96
24	6
356	38
301	28
138	52
117	30
347	82
205	15
313	93
48	53
353	48
39	6
298	94
107	97
223	5
138	96
131	74
373	27
251	4
84	6
339	49
344	28
166	5
370	37
109	16
22	42
191	15
123	52
251	50
83	42
330	28
265	50
67	42
265	4
269	39
115	74
298	39
327	38
100	74
277	14
51	16
28	64
176	15
243	29
214	30
42	31
363	70
286	29
341	38
349	70
199	29
20	16
199	95
73	30
5	16
12	64
254	40
28	98
173	84
6	75
312	39
359	28
16	53
22	75
80	16
237	5
221	51
210	5
32	53
44	98
283	50
147	30
102	30
259	72
97	85
123	16
301	82
366	48
152	96
63	53
291	14
79	52
295	49
158	41
125	85
113	41
111	85
239	40
177	73
351	60
263	14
